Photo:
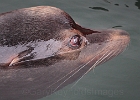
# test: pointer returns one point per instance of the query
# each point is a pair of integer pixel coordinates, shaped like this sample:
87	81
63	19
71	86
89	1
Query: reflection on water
107	1
99	8
116	26
138	4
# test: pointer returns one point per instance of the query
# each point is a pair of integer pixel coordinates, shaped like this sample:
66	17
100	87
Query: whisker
71	76
107	55
96	63
103	55
100	60
120	50
64	76
76	72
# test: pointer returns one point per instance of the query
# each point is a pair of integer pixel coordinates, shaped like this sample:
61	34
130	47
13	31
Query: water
118	79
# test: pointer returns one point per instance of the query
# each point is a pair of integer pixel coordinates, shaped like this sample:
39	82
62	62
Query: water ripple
99	8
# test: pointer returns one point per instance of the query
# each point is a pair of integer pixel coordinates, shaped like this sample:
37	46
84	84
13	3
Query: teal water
117	79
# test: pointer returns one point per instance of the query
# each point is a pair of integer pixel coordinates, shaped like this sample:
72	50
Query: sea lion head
55	33
43	48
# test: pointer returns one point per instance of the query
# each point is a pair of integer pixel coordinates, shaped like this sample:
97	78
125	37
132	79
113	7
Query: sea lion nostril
119	32
124	33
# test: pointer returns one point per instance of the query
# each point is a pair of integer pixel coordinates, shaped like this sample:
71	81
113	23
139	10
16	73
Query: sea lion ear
14	61
22	57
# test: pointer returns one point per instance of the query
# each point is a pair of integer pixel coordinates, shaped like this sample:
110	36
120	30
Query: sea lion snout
108	35
119	35
104	45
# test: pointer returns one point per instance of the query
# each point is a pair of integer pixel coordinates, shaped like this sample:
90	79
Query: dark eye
75	42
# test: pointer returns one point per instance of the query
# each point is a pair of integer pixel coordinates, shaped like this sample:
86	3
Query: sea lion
42	50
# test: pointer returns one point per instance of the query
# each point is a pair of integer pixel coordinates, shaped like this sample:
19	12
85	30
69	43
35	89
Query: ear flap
23	56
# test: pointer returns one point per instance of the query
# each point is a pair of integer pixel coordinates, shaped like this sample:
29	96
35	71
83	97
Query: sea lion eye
75	41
